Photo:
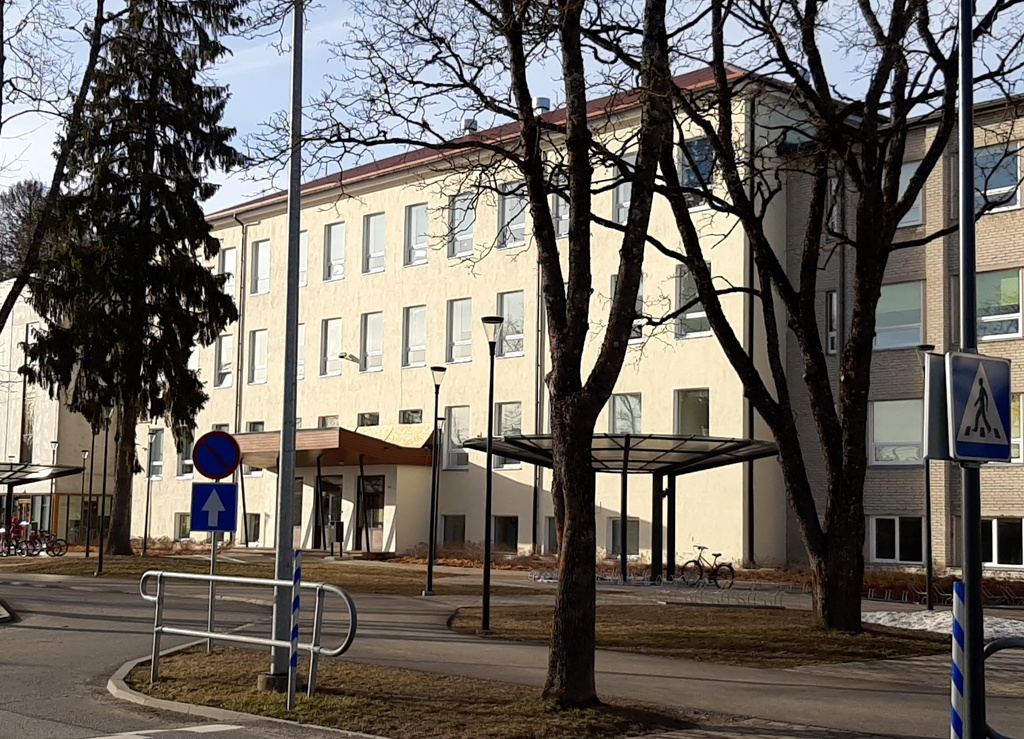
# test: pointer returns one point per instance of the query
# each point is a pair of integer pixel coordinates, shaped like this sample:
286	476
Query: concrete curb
117	687
6	614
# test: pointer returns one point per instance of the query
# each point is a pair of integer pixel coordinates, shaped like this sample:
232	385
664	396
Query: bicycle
720	574
46	541
10	546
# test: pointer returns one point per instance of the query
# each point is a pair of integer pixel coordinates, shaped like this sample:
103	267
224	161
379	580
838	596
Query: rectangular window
898	539
696	170
410	416
453	529
836	216
252	521
508	420
693	412
510	337
997	176
303	258
1009	541
327	422
914	216
253	427
226	265
693	321
416	225
334	252
330	347
371	356
414	336
999	305
460	330
156	455
185	458
550	535
224	351
831	321
636	333
182	526
462	218
897	427
373	243
623	192
560	208
258	346
193	360
632	537
368	419
625	413
512	216
456	431
506	533
898	316
1016	432
260	267
300	364
220	427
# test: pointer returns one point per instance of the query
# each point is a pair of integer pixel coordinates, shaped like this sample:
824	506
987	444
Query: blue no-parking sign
214	506
978	390
216	455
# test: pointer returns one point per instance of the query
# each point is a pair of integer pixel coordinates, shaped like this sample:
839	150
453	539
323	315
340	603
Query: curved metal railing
998	645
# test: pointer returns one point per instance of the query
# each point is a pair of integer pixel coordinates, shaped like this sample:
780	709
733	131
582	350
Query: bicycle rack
313	647
1012	642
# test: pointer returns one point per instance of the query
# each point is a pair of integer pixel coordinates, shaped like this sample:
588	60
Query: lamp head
349	357
108	411
923	350
85	454
491	326
54	445
438	372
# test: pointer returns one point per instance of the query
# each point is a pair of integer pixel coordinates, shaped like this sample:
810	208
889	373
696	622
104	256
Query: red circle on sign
216	455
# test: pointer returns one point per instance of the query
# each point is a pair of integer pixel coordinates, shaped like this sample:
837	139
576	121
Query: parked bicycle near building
719	574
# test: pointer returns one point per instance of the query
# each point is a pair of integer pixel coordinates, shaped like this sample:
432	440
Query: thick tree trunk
119	540
837	588
570	679
558	503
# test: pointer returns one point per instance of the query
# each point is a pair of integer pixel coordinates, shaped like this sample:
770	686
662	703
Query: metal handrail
313	646
998	645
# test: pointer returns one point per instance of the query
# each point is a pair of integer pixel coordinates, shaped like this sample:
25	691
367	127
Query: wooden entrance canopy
406	444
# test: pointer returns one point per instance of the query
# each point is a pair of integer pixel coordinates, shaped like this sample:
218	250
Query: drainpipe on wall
750	558
240	282
538	409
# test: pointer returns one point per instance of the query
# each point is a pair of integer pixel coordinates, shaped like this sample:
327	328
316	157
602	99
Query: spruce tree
128	294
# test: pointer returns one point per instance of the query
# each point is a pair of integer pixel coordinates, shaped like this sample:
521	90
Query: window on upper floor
512	216
334	252
831	322
898	316
224	359
414	336
510	333
373	243
693	321
327	422
371	356
253	427
623	192
260	267
625	413
368	419
462	218
330	347
636	333
410	416
227	264
999	315
508	420
1016	431
416	234
460	330
560	208
185	466
914	216
997	176
300	362
696	170
896	431
303	258
258	347
693	412
456	431
156	454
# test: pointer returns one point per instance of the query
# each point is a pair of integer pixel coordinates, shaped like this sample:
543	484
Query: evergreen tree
127	295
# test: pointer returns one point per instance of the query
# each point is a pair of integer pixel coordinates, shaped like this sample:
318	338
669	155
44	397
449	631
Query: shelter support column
657	506
670	534
624	516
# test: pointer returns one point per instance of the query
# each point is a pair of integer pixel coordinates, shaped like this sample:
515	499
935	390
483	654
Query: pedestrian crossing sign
979	407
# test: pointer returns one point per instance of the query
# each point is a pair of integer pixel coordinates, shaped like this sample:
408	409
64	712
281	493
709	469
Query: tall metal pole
929	567
92	479
485	620
149	496
50	514
103	495
974	678
434	462
286	467
81	497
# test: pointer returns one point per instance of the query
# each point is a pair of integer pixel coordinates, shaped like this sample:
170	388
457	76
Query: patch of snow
940	622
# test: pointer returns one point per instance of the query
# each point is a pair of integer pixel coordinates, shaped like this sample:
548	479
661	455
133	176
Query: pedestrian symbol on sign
981	423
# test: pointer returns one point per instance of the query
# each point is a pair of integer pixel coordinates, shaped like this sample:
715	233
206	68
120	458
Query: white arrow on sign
213	508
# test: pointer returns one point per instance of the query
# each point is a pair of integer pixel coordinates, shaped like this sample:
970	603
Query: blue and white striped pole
956	715
293	655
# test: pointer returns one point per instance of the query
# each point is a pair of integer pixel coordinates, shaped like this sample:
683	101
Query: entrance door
370	509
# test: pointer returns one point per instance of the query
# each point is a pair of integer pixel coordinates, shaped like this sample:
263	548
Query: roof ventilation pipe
541	105
468	125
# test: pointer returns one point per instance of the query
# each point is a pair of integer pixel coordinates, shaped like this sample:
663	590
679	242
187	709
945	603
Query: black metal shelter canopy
14	474
658	454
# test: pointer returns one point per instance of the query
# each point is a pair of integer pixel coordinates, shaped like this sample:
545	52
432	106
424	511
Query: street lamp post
149	492
922	352
491	326
52	523
81	497
438	375
108	412
92	478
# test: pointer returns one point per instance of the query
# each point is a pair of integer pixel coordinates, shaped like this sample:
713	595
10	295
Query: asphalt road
72	635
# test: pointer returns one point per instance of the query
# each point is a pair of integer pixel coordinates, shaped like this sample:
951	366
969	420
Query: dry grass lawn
356	578
751	637
401	704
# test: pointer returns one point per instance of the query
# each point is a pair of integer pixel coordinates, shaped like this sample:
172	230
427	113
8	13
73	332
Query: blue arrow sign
978	388
214	506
